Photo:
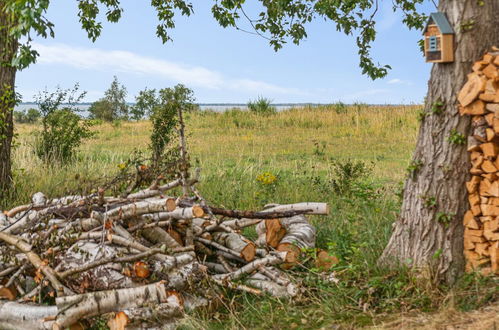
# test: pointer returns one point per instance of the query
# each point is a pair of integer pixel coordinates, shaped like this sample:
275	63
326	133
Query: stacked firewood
146	256
479	98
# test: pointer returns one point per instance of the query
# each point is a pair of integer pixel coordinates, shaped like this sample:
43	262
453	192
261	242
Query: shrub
262	106
101	110
63	130
29	116
348	172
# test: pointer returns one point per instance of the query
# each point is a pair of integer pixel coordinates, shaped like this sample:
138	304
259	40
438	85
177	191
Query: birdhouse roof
441	21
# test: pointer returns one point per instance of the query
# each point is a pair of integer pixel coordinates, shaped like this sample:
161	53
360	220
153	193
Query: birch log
17	316
180	213
309	207
135	209
73	308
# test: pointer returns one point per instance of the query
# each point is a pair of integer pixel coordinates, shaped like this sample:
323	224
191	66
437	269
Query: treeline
111	107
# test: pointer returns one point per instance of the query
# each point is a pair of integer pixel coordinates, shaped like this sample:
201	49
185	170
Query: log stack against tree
145	256
479	98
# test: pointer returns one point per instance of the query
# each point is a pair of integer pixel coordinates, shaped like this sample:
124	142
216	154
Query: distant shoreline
229	105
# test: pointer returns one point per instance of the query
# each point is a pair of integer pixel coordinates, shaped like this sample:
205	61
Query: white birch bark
15	316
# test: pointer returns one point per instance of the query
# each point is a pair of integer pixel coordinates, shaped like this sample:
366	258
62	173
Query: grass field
354	158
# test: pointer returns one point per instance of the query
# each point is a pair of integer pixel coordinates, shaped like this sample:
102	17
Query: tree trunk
8	46
429	231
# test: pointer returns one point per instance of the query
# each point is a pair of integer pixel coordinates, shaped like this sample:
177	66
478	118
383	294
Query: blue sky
225	65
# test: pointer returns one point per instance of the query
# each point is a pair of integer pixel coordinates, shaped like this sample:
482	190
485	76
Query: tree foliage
113	105
277	21
144	104
164	116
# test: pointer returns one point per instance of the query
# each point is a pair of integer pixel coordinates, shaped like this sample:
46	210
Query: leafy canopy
278	21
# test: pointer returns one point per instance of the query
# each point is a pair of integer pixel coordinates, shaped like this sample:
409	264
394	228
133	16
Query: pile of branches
146	257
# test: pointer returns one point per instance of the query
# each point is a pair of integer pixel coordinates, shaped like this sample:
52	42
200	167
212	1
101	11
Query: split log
237	243
270	232
471	89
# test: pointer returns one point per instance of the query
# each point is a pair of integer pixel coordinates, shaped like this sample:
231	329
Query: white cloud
128	62
360	95
397	81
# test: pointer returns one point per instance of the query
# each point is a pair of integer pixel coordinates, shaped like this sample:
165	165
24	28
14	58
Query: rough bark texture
8	47
431	236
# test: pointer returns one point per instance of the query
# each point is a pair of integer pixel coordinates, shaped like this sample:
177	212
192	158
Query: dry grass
288	141
486	318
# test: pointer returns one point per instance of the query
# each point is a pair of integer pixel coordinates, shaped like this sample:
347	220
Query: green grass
302	148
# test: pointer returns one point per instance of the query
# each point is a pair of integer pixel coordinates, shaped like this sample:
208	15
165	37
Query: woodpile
479	98
141	259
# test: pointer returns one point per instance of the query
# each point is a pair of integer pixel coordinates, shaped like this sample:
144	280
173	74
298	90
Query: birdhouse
438	39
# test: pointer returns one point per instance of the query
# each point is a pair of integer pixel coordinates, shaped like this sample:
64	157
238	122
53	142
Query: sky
225	65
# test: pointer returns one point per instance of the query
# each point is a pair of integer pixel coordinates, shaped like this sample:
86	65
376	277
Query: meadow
352	157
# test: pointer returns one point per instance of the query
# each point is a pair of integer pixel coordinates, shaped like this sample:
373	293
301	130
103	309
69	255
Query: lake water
214	107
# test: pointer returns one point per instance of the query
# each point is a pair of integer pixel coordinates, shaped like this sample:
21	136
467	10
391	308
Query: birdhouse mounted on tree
438	39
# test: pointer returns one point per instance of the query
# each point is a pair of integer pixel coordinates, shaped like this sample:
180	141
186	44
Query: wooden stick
310	207
113	259
252	214
35	260
15	275
7	271
149	192
235	286
252	266
183	154
241	223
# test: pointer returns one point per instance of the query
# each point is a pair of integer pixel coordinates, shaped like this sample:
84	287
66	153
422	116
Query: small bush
262	106
29	116
63	129
348	174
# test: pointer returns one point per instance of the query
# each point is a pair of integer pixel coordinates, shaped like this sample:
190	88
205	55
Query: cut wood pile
479	98
141	259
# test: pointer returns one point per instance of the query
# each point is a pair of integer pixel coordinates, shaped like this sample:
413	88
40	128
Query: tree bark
429	231
8	46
